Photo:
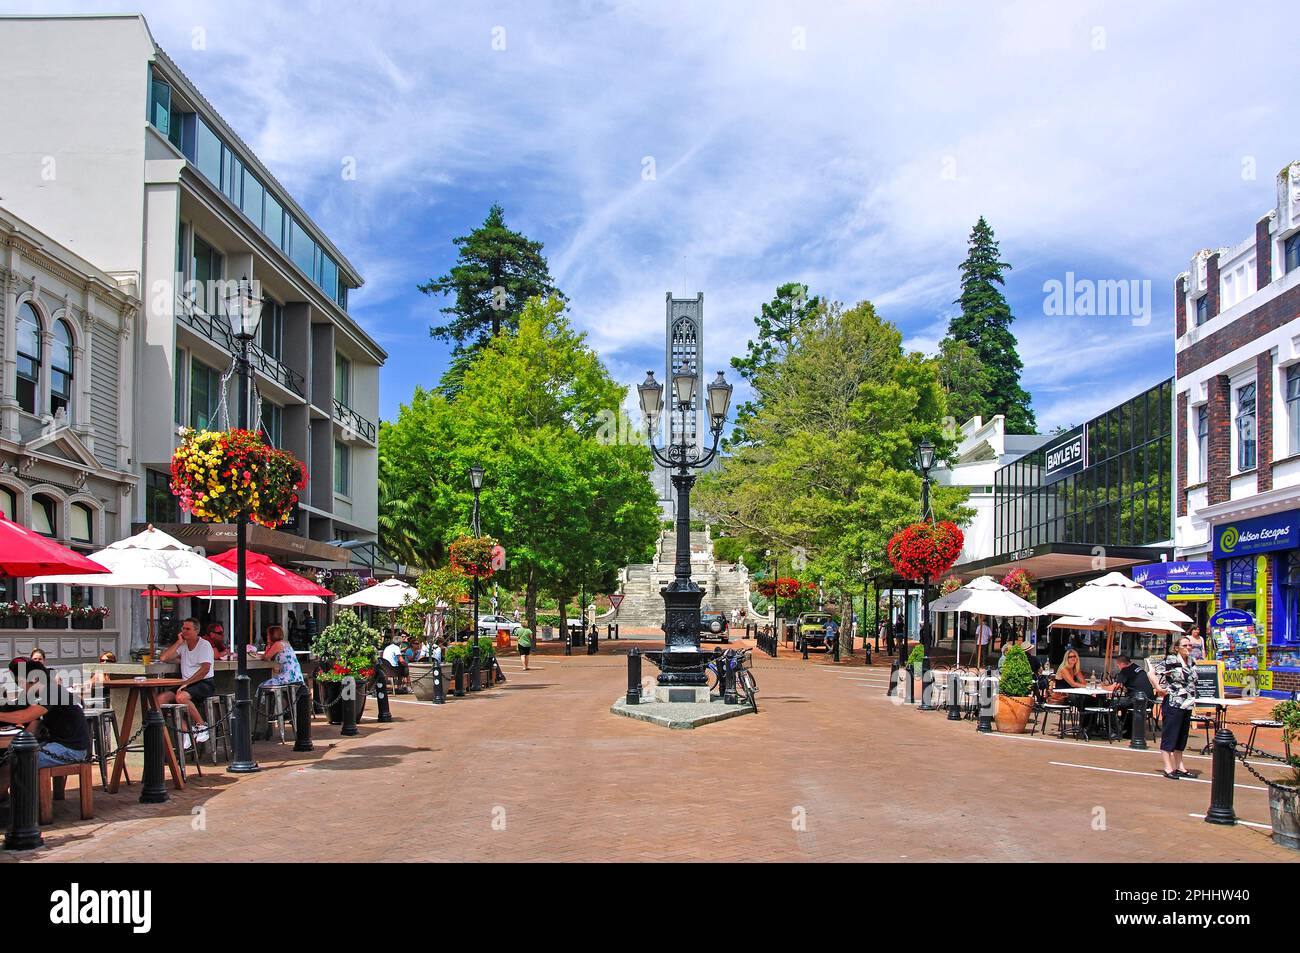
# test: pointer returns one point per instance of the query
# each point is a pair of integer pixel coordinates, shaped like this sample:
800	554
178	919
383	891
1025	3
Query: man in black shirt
1132	680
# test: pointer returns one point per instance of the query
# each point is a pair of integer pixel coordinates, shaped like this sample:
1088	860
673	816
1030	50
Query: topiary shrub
916	657
1017	675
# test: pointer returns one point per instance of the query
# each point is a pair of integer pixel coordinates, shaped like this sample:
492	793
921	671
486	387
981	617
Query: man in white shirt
197	662
984	634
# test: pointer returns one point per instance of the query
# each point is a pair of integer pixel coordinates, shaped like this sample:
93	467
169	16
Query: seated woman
280	653
1069	675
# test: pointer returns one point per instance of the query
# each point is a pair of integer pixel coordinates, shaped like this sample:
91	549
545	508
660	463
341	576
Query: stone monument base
680	714
682	694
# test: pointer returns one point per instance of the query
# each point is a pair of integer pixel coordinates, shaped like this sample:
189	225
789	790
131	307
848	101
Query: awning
1063	560
280	546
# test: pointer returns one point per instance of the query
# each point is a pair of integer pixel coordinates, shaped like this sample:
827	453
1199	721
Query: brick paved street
566	780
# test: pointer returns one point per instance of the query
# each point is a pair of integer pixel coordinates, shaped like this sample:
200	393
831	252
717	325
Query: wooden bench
53	782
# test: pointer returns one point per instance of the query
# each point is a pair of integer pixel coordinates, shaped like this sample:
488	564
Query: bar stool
216	709
172	715
1255	725
100	721
276	702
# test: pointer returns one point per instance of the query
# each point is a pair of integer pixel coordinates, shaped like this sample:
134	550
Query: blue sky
849	146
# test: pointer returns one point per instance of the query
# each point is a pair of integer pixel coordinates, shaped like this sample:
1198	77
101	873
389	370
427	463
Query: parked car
493	623
713	626
812	630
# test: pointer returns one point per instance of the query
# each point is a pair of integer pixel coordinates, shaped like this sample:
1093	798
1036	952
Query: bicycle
738	661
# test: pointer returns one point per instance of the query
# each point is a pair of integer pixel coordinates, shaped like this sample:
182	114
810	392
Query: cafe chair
1255	725
52	783
173	715
1064	713
1206	722
216	710
276	703
100	721
1107	715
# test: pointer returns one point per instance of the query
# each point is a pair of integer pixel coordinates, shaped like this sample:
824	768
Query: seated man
396	662
41	699
216	637
1131	679
196	660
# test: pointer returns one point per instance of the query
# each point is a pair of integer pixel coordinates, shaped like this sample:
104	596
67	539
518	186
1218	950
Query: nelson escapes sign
1259	535
1066	456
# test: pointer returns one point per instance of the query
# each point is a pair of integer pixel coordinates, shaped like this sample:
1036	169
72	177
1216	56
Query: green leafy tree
778	323
497	270
964	377
985	325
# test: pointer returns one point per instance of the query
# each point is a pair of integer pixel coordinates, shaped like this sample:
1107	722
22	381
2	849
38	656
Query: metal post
153	790
439	689
893	678
836	647
1224	767
1138	734
954	697
927	685
348	700
381	696
474	684
804	643
634	676
24	795
302	727
458	677
728	682
242	761
986	715
909	676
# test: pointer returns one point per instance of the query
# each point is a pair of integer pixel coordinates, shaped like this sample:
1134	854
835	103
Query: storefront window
1246	427
1289	579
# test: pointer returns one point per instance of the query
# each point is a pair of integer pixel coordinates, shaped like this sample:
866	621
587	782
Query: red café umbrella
276	581
26	553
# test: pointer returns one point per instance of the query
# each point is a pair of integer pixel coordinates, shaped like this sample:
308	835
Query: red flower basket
785	588
472	556
1021	583
925	550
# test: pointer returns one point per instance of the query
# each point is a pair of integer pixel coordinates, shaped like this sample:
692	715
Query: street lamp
682	662
476	484
776	596
244	311
924	461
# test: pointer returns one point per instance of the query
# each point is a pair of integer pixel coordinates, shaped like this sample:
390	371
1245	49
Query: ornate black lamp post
476	483
244	309
682	662
776	597
924	461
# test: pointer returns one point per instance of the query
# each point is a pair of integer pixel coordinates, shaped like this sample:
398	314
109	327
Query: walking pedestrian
524	639
1176	677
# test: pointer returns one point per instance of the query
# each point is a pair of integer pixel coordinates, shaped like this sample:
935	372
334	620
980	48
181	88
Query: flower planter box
335	708
49	622
13	621
88	623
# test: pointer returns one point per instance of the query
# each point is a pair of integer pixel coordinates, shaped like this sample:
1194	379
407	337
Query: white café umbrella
1116	600
389	594
984	595
156	563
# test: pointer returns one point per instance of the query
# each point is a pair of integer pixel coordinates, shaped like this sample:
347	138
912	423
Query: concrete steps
725	585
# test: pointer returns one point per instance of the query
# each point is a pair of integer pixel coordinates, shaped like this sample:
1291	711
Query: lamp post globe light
476	484
682	663
924	461
244	311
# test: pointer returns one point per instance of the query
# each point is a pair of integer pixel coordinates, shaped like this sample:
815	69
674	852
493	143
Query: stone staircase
725	585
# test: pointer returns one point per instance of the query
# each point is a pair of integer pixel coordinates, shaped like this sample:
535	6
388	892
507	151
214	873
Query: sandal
1172	777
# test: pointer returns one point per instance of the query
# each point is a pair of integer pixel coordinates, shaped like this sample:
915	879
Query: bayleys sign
1066	456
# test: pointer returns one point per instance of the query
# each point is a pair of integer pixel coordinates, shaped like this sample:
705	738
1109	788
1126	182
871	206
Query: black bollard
804	643
348	701
24	795
593	641
1138	732
439	689
302	730
568	640
153	790
909	682
954	697
927	685
381	696
728	682
866	651
475	676
985	722
634	677
1224	766
617	637
893	678
837	648
458	678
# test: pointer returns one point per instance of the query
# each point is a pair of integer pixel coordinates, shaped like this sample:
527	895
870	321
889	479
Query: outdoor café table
148	689
1093	691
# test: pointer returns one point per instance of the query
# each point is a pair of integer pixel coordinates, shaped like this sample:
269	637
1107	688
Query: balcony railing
349	419
218	332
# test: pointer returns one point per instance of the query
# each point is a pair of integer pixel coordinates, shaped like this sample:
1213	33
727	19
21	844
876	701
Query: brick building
1237	449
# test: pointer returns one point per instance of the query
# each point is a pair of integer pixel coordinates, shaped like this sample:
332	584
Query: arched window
82	521
61	368
8	502
43	520
29	357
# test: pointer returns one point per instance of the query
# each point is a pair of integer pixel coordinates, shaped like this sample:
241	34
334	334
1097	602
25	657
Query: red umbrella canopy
25	553
274	580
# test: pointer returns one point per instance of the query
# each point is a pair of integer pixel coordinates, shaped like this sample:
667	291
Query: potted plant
1015	691
347	648
89	617
1284	794
48	615
13	615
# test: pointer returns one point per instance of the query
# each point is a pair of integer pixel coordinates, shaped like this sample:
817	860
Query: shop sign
1261	534
1066	456
1176	580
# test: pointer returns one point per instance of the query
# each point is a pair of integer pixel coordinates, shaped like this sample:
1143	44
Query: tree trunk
530	600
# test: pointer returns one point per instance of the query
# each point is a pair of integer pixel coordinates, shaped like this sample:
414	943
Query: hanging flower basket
785	588
925	550
950	584
472	556
217	475
1020	582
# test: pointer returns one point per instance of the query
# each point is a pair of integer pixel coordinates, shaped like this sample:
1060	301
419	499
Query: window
207	152
1202	442
1202	310
205	395
178	388
160	106
329	275
1293	406
342	379
341	474
8	503
43	520
251	203
82	520
1246	427
206	270
232	176
61	369
272	421
1291	250
159	504
29	357
303	249
272	329
273	222
81	596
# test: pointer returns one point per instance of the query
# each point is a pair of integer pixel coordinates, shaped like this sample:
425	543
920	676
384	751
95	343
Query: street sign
616	600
